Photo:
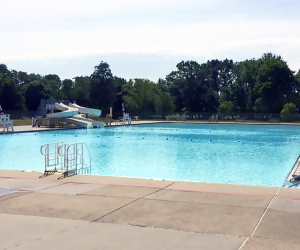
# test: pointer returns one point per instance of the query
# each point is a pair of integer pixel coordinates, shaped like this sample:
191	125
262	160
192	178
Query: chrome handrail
72	157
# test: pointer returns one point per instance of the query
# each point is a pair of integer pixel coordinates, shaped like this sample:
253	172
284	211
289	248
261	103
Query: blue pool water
238	154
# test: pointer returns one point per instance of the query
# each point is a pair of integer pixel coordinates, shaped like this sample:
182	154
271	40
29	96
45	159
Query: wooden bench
274	120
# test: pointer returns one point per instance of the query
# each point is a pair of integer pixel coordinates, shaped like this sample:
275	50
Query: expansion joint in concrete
132	202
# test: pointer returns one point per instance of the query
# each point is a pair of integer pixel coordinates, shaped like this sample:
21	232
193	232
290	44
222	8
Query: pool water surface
222	153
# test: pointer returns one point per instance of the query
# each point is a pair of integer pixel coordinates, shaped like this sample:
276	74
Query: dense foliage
289	112
263	85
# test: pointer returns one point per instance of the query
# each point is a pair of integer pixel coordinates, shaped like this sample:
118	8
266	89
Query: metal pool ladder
67	159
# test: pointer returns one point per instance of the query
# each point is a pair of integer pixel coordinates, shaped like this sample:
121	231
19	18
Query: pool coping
29	128
188	186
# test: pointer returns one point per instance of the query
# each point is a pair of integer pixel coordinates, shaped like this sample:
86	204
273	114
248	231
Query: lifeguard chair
6	122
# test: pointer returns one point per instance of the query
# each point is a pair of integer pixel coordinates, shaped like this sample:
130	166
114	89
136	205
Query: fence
17	114
233	116
263	117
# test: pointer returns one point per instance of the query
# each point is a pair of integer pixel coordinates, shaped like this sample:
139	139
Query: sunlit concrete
130	213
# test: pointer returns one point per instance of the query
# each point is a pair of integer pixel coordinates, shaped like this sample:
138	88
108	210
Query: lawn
20	122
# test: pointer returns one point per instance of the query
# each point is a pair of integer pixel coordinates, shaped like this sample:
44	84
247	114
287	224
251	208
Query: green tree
130	97
54	85
220	78
200	88
289	112
143	97
140	96
297	78
274	85
226	79
245	96
82	88
34	92
295	96
11	96
103	89
34	77
67	89
226	108
188	87
117	106
164	104
3	69
3	73
163	85
23	77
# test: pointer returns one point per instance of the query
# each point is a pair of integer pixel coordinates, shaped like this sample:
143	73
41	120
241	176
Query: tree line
261	85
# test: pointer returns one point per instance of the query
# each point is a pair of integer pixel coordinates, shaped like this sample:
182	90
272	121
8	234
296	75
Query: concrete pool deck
101	212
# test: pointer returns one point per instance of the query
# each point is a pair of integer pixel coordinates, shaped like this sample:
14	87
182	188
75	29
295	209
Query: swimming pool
223	153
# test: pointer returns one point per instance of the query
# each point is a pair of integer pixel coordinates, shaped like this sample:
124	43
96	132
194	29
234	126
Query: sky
143	38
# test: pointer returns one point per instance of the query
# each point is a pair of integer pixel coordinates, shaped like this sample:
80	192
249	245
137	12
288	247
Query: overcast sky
143	38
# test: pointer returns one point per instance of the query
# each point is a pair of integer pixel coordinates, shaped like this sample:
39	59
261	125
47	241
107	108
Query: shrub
289	112
226	108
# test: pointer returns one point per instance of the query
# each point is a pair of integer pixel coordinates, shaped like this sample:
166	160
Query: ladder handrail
69	157
67	160
51	155
83	143
48	144
59	149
